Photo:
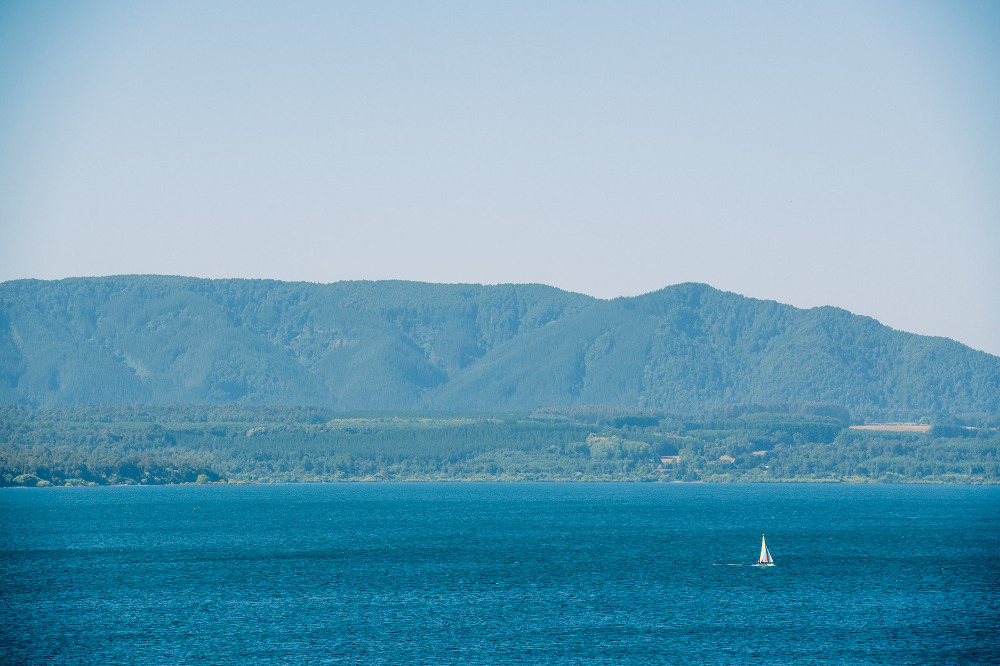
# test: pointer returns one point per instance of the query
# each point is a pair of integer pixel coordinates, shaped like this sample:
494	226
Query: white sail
765	554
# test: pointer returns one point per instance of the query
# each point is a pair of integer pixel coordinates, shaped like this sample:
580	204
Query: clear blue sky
815	153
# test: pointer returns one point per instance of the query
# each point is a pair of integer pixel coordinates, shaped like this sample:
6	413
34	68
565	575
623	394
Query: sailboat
765	555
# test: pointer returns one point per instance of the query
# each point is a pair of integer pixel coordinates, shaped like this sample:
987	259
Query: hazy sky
815	153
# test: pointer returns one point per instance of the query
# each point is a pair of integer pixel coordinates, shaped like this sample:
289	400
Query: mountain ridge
396	344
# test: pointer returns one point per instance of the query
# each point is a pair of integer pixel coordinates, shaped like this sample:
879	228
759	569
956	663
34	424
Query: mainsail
765	554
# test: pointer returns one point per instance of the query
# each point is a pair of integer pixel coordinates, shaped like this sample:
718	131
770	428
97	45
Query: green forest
154	379
406	346
65	446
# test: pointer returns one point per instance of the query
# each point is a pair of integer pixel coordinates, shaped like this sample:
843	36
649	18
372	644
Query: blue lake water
500	573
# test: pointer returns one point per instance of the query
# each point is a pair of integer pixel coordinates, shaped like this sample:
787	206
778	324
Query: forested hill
405	345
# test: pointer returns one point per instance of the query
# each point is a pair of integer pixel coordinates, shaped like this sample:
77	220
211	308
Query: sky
813	153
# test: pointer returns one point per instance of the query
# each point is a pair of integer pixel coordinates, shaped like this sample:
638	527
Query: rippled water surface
500	573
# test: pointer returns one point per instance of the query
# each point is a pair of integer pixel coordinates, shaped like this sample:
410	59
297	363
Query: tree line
124	444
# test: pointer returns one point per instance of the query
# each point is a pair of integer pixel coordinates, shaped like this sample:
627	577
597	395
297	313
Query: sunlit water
500	573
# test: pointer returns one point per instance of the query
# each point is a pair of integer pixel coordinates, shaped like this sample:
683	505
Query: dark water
500	573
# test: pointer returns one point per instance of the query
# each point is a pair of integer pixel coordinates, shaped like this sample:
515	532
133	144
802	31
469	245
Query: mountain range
396	345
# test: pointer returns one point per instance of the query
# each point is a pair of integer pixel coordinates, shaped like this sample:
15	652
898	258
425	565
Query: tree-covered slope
407	345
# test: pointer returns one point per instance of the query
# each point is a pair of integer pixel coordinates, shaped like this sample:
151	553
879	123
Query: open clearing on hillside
894	427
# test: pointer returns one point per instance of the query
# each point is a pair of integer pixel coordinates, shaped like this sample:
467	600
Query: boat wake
765	559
